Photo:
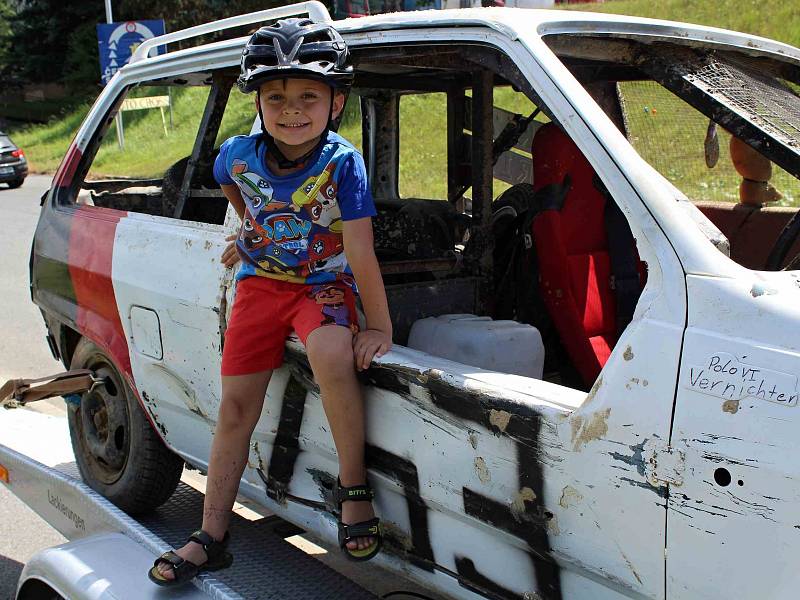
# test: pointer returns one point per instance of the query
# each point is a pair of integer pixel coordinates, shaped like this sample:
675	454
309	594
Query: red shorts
267	310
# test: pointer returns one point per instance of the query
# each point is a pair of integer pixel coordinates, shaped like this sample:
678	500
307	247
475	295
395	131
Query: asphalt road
23	353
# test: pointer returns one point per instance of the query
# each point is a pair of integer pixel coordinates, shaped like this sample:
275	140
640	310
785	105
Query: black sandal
216	558
370	528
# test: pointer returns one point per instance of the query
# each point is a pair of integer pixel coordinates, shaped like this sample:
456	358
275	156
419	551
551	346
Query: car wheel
117	451
15	183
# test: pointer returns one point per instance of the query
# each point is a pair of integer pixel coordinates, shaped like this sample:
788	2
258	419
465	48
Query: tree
6	12
42	32
56	41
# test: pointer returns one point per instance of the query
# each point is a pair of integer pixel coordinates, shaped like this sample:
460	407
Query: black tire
16	183
117	452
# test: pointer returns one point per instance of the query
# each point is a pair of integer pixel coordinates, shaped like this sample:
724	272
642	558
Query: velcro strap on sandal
171	558
363	529
212	547
202	538
356	493
181	568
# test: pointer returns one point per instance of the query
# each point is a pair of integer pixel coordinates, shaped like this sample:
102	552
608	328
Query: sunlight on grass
669	134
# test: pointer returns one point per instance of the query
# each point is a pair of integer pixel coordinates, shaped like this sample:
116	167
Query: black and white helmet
295	48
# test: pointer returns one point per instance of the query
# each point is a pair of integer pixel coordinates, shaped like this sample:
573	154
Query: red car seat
574	261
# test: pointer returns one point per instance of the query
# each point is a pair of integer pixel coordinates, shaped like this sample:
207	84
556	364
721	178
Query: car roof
542	22
524	22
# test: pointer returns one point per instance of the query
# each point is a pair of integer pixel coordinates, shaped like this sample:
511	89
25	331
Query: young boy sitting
306	238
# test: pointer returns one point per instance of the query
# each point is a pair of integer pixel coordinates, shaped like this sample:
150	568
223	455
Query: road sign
158	102
118	41
148	102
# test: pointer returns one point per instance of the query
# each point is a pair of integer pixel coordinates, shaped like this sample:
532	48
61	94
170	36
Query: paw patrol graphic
318	196
256	191
252	236
279	260
326	253
334	309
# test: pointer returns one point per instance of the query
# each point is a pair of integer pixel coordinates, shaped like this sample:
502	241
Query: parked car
649	450
13	165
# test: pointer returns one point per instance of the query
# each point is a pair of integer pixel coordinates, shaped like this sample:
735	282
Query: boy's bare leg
242	400
330	352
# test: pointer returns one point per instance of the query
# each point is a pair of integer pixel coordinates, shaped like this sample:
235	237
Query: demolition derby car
588	234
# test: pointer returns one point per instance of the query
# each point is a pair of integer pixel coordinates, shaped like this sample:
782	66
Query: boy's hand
230	256
370	343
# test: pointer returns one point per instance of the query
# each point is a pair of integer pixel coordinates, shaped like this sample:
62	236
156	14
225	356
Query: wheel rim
104	425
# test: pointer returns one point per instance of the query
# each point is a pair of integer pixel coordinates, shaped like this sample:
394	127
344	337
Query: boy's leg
330	352
242	400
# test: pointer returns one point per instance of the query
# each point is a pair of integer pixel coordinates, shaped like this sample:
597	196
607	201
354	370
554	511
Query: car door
111	259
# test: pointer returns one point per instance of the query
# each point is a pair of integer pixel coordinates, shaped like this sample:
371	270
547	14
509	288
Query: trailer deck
265	565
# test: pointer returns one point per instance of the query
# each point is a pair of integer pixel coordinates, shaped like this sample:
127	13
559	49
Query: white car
653	455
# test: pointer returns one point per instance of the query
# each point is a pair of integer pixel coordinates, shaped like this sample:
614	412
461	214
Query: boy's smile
296	112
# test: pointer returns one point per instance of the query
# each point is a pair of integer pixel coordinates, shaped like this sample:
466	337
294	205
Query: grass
776	19
669	137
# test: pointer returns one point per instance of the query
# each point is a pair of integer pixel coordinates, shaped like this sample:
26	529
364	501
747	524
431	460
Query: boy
306	238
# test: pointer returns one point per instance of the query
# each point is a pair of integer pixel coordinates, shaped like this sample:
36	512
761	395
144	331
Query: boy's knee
238	409
331	353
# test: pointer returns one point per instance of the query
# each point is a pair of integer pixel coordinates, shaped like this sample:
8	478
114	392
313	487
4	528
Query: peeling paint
552	526
593	392
473	440
635	460
585	430
632	382
526	494
150	404
730	406
482	470
570	497
759	289
499	418
396	537
628	354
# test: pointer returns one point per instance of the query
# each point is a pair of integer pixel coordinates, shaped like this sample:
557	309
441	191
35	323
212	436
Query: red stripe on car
91	250
66	170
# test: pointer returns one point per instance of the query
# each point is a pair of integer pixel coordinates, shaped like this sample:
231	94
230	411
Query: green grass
776	19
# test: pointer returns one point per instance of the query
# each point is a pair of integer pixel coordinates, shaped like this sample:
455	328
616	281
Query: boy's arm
229	256
234	196
358	247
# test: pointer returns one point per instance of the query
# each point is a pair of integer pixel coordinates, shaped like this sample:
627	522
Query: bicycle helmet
295	48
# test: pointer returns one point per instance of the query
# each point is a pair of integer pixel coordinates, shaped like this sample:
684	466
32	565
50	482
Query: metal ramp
265	565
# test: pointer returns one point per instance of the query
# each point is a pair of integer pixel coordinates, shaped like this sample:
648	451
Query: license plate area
6	170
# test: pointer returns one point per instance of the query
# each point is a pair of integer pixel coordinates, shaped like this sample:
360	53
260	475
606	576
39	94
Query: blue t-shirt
292	226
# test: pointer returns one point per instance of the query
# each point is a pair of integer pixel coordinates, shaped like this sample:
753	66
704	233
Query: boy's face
296	111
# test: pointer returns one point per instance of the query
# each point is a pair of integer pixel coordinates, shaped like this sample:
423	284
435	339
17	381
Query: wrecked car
638	444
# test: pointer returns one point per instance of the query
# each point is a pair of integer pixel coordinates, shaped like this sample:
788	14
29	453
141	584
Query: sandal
183	570
370	528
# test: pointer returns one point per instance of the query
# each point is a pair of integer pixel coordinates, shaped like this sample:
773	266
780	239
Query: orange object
756	170
4	474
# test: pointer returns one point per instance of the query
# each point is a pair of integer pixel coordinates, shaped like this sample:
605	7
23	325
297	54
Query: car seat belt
625	280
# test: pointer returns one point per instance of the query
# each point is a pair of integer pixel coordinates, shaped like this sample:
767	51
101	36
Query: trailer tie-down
18	392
